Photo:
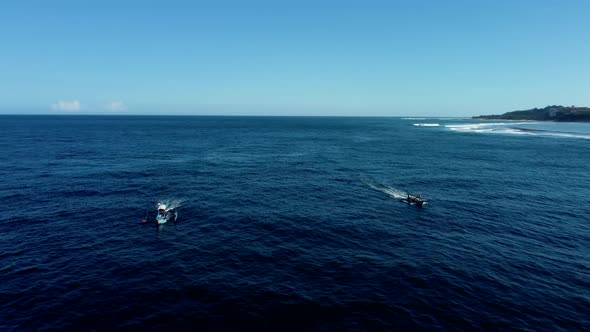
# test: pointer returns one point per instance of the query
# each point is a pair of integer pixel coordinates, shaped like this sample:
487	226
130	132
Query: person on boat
162	212
414	198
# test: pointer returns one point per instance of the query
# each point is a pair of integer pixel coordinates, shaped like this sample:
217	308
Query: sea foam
427	124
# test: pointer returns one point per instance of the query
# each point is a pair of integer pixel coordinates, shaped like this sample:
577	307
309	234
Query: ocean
293	223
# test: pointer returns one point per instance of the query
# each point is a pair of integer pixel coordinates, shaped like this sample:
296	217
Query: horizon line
241	115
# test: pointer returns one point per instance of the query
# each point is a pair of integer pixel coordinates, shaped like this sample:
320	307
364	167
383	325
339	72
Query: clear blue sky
300	57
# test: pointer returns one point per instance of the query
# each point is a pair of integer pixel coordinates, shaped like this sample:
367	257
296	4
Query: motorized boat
165	214
415	199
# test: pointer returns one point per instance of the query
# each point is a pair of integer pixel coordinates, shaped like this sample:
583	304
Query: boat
415	199
165	214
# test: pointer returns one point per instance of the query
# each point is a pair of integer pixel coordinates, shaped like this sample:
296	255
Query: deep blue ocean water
293	223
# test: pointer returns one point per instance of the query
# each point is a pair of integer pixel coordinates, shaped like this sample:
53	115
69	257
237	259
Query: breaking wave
488	126
432	118
513	128
427	124
549	133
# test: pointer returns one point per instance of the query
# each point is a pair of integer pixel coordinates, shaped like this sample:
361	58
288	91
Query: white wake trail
388	190
172	203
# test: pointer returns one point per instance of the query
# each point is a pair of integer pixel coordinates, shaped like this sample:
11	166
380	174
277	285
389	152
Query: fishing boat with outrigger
163	214
415	200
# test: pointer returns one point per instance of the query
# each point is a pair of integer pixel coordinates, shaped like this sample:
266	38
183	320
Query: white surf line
426	124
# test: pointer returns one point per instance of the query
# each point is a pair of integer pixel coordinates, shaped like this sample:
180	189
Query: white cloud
116	106
63	105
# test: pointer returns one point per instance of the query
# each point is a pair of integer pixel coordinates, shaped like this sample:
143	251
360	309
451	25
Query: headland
549	113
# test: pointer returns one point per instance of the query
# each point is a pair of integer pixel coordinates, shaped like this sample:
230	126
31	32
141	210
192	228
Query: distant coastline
549	113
